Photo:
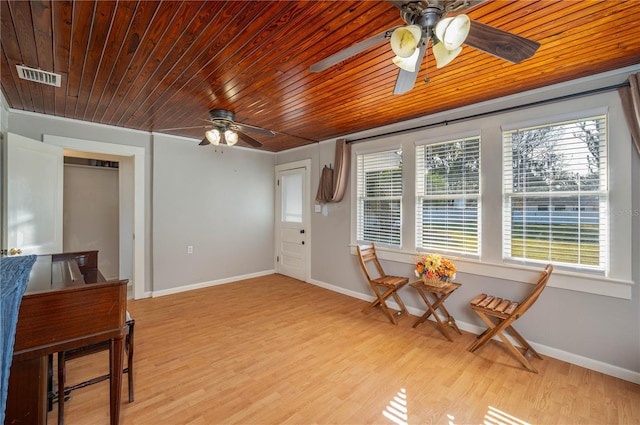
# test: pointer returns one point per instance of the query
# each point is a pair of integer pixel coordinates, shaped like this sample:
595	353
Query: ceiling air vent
39	76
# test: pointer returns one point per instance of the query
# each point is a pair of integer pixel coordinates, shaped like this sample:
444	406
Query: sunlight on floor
498	417
397	411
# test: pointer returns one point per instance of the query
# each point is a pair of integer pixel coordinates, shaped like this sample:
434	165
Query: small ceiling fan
224	129
427	22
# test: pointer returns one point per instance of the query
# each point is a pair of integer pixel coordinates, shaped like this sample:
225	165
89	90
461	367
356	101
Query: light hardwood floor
275	350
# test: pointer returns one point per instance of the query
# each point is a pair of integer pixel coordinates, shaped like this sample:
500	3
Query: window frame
360	185
602	194
420	197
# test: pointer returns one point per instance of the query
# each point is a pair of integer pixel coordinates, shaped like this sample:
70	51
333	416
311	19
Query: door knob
14	251
301	230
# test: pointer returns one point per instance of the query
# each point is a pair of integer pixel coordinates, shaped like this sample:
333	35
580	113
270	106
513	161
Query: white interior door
34	184
292	221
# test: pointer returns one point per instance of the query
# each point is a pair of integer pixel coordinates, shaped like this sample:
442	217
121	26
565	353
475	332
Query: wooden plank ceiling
153	65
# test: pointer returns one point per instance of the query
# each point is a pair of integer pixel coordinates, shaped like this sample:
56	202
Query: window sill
598	285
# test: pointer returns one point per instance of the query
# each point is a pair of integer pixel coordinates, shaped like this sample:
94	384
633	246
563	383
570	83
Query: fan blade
499	43
204	142
252	128
406	79
350	51
182	128
249	140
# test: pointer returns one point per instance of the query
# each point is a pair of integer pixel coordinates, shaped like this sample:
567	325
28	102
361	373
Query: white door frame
306	164
138	155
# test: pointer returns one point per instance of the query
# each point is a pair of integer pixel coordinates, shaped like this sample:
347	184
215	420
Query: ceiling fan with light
224	129
427	23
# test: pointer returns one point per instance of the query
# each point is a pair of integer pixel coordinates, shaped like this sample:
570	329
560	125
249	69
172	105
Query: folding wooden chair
500	314
390	284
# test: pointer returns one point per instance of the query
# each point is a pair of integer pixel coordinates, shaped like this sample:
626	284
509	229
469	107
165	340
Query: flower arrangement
434	269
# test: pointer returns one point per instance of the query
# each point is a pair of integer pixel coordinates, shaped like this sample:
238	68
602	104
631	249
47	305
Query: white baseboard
576	359
201	285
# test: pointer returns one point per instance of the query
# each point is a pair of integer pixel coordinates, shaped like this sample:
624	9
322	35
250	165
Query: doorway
292	227
131	199
91	213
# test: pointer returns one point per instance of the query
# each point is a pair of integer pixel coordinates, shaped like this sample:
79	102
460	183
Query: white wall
91	214
218	200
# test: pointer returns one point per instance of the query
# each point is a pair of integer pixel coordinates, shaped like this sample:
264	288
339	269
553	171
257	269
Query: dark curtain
333	182
630	97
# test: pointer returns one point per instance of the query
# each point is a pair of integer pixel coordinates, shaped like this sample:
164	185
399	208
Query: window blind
448	196
555	194
379	188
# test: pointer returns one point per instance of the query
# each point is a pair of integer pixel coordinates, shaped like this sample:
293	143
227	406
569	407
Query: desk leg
116	363
62	372
27	392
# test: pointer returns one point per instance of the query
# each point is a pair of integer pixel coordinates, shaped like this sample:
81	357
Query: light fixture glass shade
453	31
408	64
404	40
442	55
231	137
213	136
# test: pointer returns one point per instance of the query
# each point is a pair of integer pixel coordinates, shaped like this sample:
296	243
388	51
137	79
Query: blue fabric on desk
14	275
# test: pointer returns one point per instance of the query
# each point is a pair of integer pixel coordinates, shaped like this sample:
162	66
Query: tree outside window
555	193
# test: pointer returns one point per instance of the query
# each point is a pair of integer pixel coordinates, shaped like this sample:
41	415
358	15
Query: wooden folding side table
439	294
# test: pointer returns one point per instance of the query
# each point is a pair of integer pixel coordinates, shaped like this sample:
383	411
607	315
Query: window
555	194
291	207
448	196
379	191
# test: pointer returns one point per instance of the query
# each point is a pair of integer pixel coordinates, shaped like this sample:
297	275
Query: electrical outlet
190	249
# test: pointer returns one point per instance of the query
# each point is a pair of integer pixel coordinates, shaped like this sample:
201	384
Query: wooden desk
61	310
439	295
